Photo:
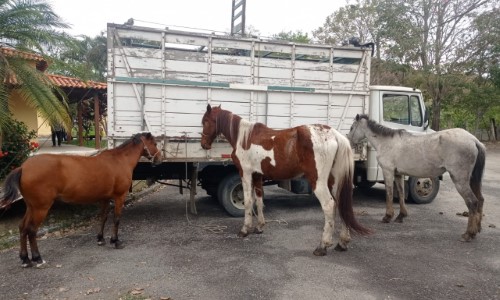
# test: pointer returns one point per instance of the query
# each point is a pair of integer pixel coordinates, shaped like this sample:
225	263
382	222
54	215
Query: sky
269	17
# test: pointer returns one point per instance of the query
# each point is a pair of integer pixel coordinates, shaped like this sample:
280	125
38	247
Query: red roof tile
71	82
57	80
26	55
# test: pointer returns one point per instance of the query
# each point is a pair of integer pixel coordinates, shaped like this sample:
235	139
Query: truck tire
423	190
230	195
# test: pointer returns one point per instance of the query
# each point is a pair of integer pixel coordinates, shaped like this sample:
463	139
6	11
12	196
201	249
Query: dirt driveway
168	256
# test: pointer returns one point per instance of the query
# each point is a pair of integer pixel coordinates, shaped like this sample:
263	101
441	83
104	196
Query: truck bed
162	80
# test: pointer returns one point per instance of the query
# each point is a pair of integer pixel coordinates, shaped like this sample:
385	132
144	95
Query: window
415	111
402	109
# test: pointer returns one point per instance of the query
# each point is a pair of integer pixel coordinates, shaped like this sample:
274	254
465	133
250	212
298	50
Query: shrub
16	146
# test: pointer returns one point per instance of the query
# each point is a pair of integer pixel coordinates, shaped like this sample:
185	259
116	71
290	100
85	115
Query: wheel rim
237	197
424	187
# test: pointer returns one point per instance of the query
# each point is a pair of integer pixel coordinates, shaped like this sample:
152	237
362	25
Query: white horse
427	155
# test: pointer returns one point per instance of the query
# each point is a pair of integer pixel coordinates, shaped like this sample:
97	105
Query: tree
296	37
30	25
360	19
88	60
353	20
427	35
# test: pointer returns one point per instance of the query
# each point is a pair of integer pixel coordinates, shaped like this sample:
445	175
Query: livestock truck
161	80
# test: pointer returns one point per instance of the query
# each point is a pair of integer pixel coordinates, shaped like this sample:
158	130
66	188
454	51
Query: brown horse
318	152
44	178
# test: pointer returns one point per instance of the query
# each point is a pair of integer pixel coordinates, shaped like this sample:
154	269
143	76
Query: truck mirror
426	119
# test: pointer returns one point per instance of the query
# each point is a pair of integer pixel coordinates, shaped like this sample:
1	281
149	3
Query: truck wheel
423	190
230	194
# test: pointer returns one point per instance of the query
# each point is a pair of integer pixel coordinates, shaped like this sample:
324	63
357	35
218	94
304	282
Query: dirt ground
169	254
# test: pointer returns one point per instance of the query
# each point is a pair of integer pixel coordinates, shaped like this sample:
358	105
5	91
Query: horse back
73	178
430	154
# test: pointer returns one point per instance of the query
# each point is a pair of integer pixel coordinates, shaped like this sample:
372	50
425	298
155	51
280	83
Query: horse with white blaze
318	152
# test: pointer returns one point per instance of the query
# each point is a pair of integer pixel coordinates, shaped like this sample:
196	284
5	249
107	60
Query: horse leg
473	204
345	236
476	189
327	204
119	202
38	214
480	198
23	231
104	217
389	186
246	181
399	180
258	194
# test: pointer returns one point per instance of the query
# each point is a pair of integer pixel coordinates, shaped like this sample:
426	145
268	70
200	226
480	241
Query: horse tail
343	168
477	172
11	188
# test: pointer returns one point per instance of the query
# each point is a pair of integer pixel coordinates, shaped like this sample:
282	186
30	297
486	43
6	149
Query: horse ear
220	105
357	117
209	108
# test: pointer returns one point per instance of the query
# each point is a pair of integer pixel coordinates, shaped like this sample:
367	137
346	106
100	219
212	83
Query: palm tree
28	25
86	61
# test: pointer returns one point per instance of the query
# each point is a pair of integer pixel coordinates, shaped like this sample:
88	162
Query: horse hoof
399	219
258	231
340	248
118	244
41	265
26	265
466	237
101	243
386	219
320	251
242	234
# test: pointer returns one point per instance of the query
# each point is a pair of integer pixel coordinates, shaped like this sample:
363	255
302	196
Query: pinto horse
44	178
318	152
427	155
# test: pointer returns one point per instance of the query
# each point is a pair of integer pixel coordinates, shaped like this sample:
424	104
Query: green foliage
449	49
353	20
87	60
30	25
297	37
16	147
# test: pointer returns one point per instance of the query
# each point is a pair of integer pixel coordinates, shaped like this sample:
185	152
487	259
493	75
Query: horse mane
246	129
381	130
136	139
227	123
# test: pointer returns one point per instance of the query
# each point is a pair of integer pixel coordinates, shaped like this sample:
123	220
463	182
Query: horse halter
150	157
